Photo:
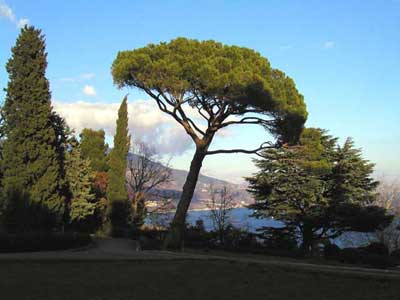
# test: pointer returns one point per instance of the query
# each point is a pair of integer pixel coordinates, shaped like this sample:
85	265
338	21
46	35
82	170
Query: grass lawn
75	280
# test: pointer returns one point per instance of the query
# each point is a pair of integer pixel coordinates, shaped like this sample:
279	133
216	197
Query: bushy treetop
212	74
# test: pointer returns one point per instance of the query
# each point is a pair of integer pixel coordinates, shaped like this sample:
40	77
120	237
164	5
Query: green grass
182	280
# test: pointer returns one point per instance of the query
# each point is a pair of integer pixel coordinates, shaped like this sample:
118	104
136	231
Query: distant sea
239	217
242	218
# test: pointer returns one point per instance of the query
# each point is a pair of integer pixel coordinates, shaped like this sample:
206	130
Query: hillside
202	194
238	191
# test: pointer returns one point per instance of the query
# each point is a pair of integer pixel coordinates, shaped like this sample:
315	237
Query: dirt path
127	250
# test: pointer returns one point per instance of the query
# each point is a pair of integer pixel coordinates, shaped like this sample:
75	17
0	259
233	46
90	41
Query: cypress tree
118	206
31	158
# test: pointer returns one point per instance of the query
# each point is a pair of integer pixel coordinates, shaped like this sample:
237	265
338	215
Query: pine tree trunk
174	237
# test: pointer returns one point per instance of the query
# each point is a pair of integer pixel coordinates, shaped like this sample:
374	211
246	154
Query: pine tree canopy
210	74
32	149
215	82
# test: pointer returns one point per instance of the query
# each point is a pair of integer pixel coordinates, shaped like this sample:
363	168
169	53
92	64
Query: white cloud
146	123
89	90
329	44
7	13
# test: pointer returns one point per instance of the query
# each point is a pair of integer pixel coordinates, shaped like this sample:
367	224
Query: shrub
239	240
42	241
150	239
197	236
351	255
376	248
395	254
331	251
278	238
361	256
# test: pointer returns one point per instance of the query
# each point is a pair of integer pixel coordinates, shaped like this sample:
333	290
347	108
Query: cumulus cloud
329	44
146	123
7	13
89	90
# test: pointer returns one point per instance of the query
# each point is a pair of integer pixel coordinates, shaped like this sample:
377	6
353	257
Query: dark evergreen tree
2	136
318	189
82	208
352	176
353	192
31	154
118	205
94	148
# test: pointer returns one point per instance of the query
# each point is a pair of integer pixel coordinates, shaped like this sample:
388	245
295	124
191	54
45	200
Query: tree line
52	180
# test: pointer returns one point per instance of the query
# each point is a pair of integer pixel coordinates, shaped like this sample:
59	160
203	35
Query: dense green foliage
317	188
116	190
79	178
214	74
32	152
94	148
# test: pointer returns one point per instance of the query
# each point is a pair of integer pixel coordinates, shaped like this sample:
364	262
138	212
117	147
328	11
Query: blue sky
343	55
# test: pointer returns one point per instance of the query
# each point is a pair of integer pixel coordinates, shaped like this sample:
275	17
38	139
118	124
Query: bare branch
144	170
184	122
254	151
246	120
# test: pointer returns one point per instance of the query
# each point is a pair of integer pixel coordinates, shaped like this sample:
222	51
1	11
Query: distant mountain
240	195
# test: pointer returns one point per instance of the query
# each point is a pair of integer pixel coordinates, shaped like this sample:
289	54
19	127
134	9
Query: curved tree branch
183	121
246	120
253	151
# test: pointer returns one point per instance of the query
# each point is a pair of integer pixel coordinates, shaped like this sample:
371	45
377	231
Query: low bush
241	240
27	242
331	251
363	257
278	238
376	248
150	239
395	254
197	238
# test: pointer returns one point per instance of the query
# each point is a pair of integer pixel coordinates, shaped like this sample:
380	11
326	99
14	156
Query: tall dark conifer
31	164
116	190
